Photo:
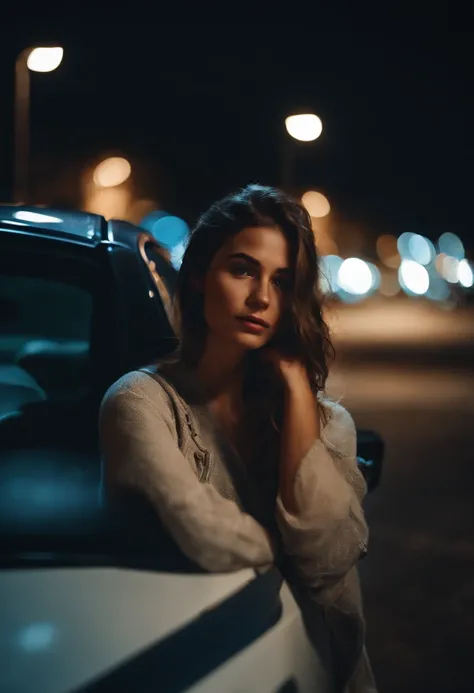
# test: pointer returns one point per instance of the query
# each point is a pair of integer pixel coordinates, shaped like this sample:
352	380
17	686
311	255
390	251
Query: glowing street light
303	127
45	59
38	59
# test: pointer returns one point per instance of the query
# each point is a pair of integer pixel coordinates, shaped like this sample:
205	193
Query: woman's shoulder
138	388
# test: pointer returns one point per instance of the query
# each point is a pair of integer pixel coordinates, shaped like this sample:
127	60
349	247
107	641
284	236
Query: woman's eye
241	271
282	283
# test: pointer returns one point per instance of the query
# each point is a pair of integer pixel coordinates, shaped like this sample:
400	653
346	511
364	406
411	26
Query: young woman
233	443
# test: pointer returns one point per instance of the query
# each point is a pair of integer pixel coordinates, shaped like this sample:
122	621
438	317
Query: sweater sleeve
140	451
329	534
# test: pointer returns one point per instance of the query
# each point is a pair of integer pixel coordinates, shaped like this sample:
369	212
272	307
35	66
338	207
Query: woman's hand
301	425
290	370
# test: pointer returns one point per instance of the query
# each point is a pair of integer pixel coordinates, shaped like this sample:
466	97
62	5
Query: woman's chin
242	341
251	341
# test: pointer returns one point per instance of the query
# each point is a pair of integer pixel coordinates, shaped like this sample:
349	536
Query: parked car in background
88	601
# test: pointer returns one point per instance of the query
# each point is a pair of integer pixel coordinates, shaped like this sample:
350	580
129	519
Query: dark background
199	110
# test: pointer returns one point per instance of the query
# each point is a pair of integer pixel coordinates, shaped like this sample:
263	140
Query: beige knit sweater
159	438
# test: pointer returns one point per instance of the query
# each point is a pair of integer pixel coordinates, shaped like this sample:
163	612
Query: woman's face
246	287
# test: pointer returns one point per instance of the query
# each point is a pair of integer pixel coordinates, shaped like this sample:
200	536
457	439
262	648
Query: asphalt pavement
418	578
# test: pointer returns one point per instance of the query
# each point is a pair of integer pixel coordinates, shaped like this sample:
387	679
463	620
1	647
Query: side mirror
370	452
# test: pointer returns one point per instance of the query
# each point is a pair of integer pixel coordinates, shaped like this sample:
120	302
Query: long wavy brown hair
303	332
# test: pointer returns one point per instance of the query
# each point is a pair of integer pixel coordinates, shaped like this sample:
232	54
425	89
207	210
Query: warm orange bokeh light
112	172
387	250
389	284
316	204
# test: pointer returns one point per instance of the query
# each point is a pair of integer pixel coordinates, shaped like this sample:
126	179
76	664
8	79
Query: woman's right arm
140	452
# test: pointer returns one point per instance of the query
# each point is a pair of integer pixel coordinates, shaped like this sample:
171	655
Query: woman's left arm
319	507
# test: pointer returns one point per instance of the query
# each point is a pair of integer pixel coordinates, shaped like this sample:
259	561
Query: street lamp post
39	59
303	127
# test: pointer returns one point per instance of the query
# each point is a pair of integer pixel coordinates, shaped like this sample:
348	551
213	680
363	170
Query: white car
66	629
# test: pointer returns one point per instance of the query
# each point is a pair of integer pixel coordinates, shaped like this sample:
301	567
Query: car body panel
63	628
92	629
283	660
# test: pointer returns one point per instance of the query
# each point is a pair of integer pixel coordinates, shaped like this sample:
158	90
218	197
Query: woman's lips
252	326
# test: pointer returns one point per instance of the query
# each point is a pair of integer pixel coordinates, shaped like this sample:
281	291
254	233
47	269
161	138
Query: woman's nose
260	295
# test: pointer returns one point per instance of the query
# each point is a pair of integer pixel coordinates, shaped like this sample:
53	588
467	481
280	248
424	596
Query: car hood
62	628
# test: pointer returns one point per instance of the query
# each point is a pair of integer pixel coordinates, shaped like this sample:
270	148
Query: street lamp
39	59
303	127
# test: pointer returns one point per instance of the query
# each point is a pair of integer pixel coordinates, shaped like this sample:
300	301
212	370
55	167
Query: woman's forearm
300	429
141	454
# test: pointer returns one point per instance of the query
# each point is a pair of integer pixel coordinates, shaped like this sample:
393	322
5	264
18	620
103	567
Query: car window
45	328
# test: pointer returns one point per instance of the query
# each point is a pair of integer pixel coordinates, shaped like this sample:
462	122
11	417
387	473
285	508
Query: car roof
83	226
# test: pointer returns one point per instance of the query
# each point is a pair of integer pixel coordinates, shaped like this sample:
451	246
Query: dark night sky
203	108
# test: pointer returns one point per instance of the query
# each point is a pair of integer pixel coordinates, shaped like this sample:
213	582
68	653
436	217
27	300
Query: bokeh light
465	274
389	284
376	277
450	244
316	204
387	251
170	231
449	269
403	245
413	277
421	250
112	172
439	262
438	289
355	276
